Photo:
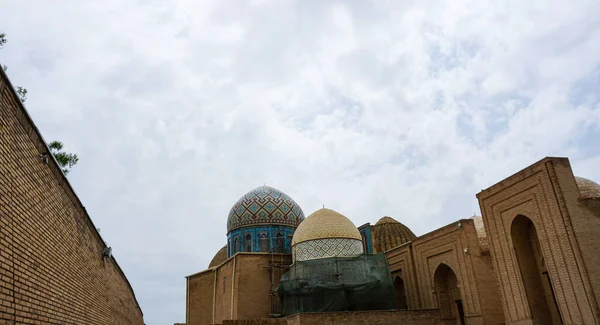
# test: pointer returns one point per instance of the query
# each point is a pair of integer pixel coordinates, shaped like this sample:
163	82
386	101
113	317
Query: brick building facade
543	225
52	266
531	259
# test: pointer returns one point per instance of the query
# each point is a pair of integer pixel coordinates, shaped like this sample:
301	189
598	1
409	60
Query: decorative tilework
264	205
261	238
325	223
327	247
367	239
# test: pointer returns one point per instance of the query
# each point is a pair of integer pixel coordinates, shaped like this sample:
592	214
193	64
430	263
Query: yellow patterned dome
325	223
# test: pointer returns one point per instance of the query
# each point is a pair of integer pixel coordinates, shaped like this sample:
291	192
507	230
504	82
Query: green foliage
65	160
22	92
2	40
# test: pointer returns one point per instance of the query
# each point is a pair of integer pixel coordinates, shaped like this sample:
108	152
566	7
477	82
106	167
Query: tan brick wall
477	286
406	317
244	298
254	282
199	298
401	264
51	266
585	218
544	193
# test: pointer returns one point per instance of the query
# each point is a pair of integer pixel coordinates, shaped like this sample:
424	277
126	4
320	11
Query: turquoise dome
264	205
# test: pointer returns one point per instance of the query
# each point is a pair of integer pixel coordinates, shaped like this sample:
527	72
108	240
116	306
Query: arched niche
400	293
448	295
534	274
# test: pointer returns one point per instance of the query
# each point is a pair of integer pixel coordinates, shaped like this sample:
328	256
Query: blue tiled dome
264	206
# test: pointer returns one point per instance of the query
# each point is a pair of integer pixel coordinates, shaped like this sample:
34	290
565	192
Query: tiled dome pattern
390	233
325	223
588	189
327	247
264	205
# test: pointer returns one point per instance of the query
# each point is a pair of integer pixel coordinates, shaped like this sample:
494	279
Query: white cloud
409	109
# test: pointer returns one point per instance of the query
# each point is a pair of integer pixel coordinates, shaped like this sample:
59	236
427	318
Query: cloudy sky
400	108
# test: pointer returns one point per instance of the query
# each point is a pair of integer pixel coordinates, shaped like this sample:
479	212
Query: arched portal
448	295
536	280
400	293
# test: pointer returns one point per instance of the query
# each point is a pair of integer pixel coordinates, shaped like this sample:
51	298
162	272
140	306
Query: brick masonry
380	317
52	270
236	289
416	264
546	196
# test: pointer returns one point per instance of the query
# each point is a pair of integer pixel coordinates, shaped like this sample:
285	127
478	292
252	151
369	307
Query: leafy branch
66	160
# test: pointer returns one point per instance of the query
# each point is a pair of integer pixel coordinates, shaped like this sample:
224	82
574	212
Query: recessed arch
534	274
400	293
248	243
448	295
279	242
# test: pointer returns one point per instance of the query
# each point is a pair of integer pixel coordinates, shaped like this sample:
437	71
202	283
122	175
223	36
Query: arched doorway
536	280
448	295
400	293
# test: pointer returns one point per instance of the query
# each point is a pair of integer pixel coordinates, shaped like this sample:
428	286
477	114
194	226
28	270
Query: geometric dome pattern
264	205
326	247
325	223
326	233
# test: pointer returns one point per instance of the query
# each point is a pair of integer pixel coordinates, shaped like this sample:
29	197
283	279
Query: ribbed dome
325	223
264	205
588	189
390	233
219	258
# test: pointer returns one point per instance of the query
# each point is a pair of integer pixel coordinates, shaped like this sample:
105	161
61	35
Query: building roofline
363	226
521	174
444	229
231	257
63	181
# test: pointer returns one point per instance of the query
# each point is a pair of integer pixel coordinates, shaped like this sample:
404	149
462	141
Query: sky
371	108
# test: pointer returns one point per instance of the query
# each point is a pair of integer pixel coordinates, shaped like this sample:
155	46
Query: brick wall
242	289
384	317
199	298
51	266
545	193
418	261
585	218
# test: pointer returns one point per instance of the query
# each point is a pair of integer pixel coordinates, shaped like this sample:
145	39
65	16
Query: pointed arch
532	266
448	294
400	293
